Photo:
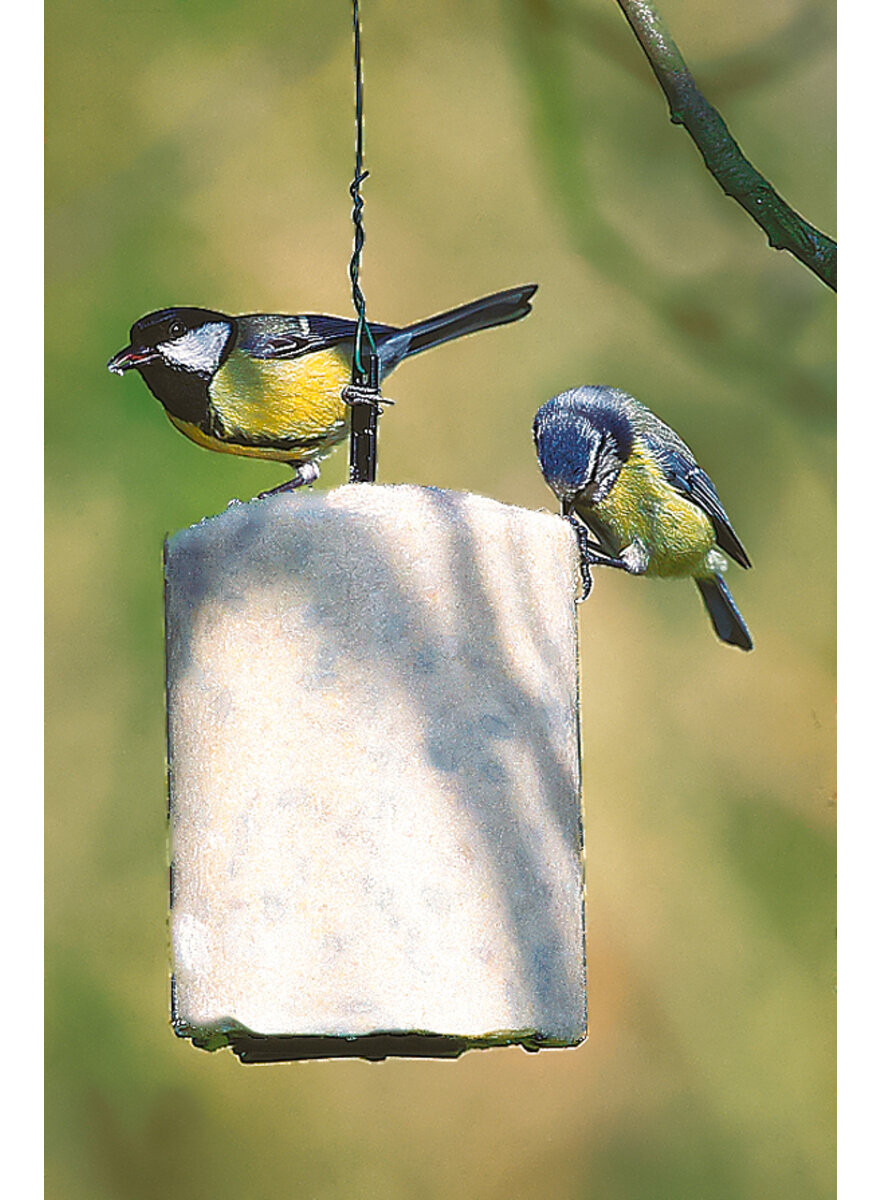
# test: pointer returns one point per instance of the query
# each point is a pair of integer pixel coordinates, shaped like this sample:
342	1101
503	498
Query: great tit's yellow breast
642	504
196	434
283	399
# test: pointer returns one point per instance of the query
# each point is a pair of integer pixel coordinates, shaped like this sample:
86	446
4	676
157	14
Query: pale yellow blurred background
200	153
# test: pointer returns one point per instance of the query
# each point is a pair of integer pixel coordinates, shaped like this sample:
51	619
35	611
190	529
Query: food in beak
128	358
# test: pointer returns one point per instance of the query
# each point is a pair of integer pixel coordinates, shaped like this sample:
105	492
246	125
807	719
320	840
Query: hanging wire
363	392
360	175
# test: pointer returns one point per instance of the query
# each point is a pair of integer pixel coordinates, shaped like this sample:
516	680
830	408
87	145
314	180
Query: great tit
625	477
271	386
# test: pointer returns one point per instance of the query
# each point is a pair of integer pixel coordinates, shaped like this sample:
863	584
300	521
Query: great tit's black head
195	340
583	438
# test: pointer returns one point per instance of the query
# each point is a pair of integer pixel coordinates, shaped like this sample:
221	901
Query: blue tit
271	386
627	479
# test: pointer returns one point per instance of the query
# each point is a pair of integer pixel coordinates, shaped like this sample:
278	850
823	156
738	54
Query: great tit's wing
692	481
269	335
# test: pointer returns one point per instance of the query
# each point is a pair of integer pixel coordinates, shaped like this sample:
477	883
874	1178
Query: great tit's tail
497	309
724	614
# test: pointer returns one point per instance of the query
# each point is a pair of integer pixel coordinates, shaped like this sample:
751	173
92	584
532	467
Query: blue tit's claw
586	557
634	558
586	582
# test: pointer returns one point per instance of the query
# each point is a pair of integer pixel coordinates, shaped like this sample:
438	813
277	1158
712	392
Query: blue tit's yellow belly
677	535
272	408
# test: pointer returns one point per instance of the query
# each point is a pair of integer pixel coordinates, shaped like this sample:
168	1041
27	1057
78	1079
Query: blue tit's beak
128	358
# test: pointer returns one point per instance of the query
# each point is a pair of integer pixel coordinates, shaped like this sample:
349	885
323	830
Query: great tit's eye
176	328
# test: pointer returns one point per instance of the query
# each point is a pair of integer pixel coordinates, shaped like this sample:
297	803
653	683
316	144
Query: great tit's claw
304	476
354	393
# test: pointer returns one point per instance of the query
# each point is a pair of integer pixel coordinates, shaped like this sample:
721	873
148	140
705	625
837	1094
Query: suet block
374	776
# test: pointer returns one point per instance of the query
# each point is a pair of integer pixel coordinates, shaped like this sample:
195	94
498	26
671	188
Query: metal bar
364	424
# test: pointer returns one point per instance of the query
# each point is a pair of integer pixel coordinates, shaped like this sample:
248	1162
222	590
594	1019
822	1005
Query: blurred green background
199	153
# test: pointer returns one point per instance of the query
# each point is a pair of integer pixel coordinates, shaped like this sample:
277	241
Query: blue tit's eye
176	328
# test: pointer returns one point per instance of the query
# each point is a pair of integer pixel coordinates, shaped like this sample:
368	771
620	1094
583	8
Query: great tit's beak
128	358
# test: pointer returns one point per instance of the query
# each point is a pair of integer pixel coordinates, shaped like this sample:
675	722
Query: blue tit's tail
724	614
479	314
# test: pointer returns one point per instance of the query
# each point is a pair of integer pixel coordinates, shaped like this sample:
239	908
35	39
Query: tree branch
785	229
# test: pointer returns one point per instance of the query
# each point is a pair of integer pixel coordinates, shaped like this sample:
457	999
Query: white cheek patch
198	350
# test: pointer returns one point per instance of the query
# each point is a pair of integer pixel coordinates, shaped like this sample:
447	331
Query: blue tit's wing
692	481
274	335
700	488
